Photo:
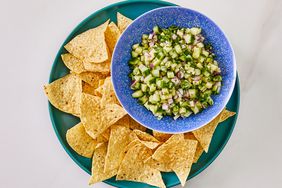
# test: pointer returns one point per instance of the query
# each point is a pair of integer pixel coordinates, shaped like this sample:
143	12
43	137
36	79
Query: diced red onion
133	83
197	78
175	80
165	59
217	84
179	74
152	43
170	101
186	95
151	65
165	106
151	36
192	103
174	36
180	90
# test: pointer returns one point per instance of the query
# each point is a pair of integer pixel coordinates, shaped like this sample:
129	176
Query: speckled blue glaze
165	17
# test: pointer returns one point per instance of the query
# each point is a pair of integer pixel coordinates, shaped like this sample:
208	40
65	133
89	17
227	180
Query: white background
31	33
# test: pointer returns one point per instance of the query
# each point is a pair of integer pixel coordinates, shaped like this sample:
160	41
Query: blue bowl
165	17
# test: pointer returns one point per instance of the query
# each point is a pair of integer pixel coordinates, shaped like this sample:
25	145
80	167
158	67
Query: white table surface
30	36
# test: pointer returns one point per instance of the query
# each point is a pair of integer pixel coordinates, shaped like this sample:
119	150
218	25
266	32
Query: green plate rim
237	87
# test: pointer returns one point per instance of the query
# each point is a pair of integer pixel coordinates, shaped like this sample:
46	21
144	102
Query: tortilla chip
199	150
91	78
86	88
108	94
225	114
119	139
145	136
158	165
98	164
147	139
135	125
73	63
122	22
97	118
205	133
65	94
124	121
106	134
80	141
177	154
133	168
98	67
112	34
162	137
90	45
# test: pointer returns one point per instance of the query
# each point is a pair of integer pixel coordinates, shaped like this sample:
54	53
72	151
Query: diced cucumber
192	93
156	29
135	46
178	49
170	74
143	99
148	79
138	50
153	108
156	73
137	94
196	52
134	54
145	70
167	49
145	37
197	72
144	87
155	98
160	84
173	54
205	53
195	30
152	88
188	38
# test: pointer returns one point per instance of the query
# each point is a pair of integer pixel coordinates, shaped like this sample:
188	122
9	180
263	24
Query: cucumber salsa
174	72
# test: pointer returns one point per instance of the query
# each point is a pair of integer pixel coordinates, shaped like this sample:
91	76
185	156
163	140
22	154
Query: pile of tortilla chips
118	145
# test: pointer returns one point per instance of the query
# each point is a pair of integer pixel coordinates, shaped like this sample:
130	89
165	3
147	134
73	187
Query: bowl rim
226	99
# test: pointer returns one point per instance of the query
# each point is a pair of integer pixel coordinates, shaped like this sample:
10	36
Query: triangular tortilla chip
73	63
112	34
97	118
65	93
92	78
98	164
147	139
98	67
108	94
133	168
205	133
119	139
122	22
162	137
225	114
86	88
199	150
177	154
135	125
163	167
90	45
80	141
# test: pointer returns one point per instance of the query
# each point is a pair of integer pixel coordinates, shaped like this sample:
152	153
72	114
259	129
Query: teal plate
62	121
